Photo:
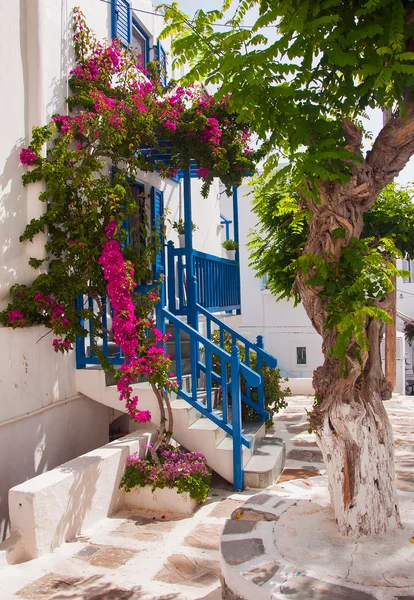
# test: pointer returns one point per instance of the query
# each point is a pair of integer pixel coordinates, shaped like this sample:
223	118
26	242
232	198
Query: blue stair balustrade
262	357
229	376
218	281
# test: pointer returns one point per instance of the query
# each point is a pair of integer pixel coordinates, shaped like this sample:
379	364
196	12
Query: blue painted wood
270	360
209	369
121	21
161	57
104	325
188	230
171	276
157	212
224	390
259	366
80	341
213	416
91	337
178	360
238	472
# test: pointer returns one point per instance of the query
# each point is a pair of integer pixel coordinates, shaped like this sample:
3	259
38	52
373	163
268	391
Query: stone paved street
137	557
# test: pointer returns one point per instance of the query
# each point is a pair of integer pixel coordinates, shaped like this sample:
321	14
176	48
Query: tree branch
392	150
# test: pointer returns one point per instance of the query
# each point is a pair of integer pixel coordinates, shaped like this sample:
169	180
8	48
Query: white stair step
180	405
266	464
205	425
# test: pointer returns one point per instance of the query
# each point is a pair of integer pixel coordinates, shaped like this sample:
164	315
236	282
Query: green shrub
274	395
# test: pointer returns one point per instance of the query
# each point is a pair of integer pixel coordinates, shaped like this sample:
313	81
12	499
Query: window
407	265
301	355
140	41
129	30
121	21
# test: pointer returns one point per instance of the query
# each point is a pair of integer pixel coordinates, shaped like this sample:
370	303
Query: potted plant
179	227
230	247
169	480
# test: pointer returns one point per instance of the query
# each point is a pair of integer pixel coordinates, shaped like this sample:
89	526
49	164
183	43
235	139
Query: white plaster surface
58	505
161	501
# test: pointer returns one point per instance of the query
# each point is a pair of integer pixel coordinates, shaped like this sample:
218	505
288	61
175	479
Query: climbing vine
120	117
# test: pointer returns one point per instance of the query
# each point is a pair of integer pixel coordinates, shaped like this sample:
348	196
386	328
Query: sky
373	124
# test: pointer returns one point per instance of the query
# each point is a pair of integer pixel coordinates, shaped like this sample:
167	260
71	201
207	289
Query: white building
44	421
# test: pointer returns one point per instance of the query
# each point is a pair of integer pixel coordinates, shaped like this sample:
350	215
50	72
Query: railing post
259	366
189	259
80	341
238	472
171	276
236	235
159	317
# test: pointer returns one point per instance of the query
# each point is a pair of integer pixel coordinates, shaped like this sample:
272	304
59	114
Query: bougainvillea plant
119	114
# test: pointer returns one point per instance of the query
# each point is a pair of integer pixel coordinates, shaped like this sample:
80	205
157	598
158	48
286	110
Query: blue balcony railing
218	281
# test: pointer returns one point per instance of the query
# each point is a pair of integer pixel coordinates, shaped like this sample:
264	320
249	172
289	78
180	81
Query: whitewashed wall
43	422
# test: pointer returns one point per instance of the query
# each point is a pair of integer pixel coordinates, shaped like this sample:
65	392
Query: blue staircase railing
218	281
202	352
250	349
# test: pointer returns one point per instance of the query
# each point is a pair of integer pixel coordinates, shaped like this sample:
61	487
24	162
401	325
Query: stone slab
205	536
46	586
236	552
306	588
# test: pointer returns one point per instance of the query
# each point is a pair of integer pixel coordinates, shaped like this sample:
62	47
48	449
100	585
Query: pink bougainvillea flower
203	172
27	156
170	125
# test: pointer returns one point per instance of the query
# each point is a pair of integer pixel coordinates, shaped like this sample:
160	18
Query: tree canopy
303	68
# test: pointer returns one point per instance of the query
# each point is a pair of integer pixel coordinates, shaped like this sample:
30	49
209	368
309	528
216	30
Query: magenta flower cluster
27	156
57	319
16	318
61	345
142	359
203	172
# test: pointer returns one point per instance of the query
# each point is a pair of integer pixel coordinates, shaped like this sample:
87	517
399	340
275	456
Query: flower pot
230	254
165	500
181	240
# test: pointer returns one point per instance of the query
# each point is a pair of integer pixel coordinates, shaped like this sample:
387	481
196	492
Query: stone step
266	464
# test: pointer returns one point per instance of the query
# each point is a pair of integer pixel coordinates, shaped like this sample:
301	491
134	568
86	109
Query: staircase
207	406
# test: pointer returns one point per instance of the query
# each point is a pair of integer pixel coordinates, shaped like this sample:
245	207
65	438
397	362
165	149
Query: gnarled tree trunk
349	419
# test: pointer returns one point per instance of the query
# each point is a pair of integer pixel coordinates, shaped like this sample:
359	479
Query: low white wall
51	436
57	506
299	386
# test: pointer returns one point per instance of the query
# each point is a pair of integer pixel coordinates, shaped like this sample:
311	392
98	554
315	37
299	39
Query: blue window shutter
157	211
162	59
122	20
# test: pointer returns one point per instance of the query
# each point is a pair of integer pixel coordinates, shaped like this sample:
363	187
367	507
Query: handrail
270	360
251	376
230	364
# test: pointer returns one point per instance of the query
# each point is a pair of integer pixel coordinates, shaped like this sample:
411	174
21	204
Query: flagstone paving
133	556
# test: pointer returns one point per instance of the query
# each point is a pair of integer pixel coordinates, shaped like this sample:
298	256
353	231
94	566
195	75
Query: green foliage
88	162
302	68
230	245
274	395
352	286
179	226
409	333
